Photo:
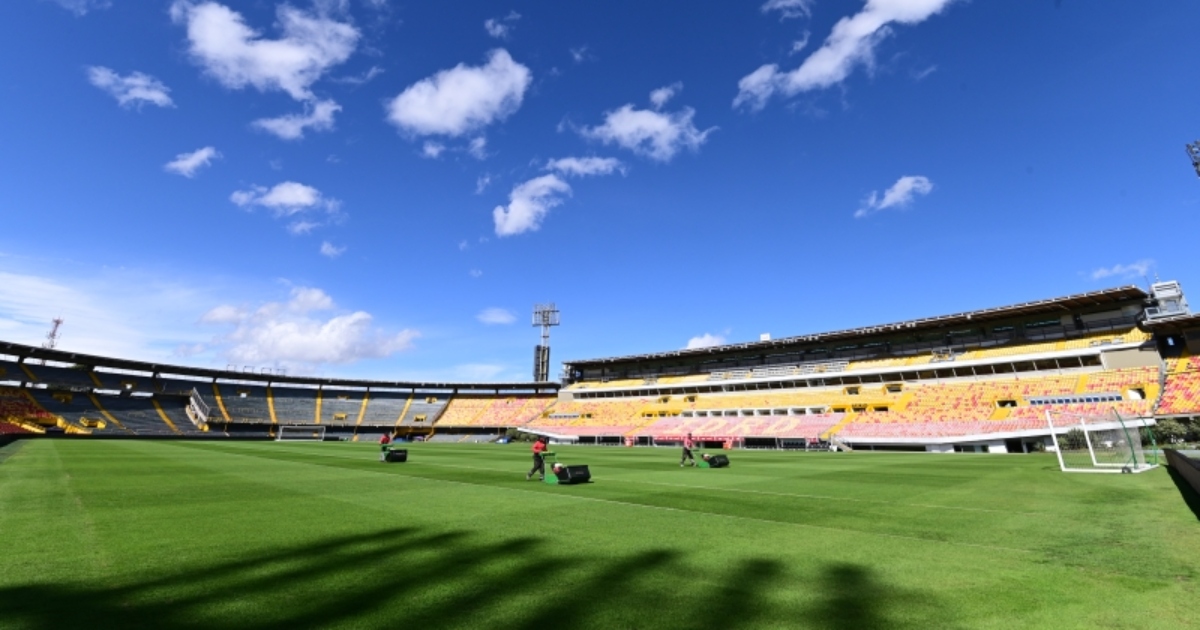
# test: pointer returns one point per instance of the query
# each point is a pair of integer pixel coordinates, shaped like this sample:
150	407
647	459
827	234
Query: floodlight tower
544	316
1193	151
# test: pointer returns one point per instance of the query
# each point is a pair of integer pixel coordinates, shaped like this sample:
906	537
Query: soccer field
263	534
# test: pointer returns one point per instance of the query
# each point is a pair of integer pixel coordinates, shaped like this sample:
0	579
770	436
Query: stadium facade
978	381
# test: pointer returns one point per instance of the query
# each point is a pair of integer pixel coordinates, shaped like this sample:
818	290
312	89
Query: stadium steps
362	411
1081	384
271	405
1001	413
108	416
404	412
163	414
221	403
317	415
847	419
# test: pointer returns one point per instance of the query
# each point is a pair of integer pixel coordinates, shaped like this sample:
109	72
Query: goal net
314	433
1103	442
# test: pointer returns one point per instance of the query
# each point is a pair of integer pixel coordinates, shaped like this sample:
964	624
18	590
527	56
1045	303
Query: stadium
867	314
185	497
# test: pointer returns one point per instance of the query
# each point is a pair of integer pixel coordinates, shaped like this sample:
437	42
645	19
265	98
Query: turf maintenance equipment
712	461
562	475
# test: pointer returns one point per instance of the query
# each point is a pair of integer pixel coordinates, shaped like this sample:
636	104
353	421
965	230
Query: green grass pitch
296	535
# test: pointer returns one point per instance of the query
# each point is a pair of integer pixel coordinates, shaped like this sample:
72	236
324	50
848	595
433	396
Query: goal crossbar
292	433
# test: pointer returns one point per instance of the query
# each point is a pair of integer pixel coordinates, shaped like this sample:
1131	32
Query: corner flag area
214	534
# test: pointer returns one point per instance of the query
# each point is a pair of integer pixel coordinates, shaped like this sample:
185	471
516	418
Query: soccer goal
315	433
1103	443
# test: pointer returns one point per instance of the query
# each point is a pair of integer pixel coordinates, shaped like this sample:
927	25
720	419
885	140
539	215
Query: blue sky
384	189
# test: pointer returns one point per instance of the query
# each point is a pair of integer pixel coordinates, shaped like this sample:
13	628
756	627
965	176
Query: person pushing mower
687	451
385	441
539	464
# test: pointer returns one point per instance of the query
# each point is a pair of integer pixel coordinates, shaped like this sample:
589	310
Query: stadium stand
385	408
424	409
17	406
1181	396
463	411
245	403
293	405
341	408
137	413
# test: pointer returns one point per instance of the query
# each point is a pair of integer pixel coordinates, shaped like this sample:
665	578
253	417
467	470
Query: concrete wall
1187	468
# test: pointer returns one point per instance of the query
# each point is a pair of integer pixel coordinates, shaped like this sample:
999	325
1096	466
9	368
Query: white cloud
107	311
501	28
477	148
585	166
659	97
294	333
238	56
580	54
898	196
317	116
851	43
360	79
81	7
706	340
284	199
292	200
463	246
432	150
800	44
303	226
187	164
475	273
1137	269
329	250
789	8
132	90
462	99
482	183
528	204
657	135
495	315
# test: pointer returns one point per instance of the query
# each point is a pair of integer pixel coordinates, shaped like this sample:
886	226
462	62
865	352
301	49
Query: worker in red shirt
687	451
539	465
385	441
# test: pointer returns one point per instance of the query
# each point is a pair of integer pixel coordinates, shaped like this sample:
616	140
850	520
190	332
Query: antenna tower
52	337
1193	151
544	316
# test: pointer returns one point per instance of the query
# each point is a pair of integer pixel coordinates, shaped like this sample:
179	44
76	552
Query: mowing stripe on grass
410	465
737	490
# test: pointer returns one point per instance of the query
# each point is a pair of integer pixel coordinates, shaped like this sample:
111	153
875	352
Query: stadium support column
544	316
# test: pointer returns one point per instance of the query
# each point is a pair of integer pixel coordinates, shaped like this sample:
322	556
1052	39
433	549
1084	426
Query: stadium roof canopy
1173	324
1058	305
34	352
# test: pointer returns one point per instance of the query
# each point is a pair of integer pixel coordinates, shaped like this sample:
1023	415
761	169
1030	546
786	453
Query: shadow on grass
1190	497
404	578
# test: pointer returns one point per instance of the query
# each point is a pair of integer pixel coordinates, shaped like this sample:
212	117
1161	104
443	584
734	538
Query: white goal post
313	433
1100	443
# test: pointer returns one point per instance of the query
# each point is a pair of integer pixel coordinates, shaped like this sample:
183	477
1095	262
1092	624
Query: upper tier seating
424	409
294	405
340	408
464	410
59	375
384	408
246	403
473	411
